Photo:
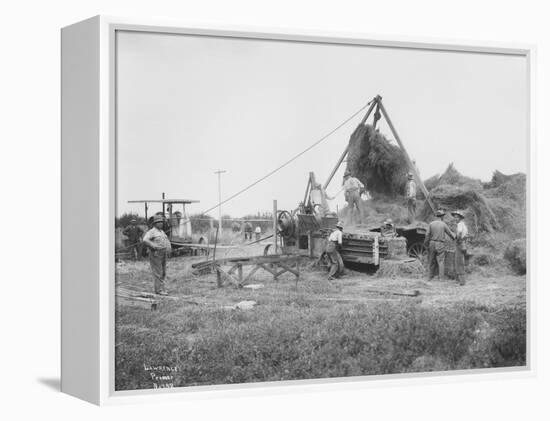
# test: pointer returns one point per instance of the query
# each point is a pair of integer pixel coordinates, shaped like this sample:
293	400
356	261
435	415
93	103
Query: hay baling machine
305	230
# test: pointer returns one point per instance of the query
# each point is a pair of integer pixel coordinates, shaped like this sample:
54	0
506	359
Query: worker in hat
134	234
159	249
353	189
388	229
410	195
461	245
435	243
334	243
247	228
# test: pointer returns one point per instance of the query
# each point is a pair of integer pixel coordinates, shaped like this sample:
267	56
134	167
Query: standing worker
410	194
159	249
334	244
247	231
134	234
353	189
435	243
461	246
258	232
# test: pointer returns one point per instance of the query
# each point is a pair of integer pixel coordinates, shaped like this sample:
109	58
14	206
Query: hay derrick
379	165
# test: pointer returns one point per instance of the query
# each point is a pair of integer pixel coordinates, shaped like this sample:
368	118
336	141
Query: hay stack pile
380	165
454	191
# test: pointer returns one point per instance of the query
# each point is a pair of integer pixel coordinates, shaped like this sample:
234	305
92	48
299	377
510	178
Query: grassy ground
313	329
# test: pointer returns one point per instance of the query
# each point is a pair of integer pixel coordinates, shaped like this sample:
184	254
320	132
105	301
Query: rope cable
289	161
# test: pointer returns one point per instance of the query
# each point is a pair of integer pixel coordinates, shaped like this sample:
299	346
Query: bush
516	255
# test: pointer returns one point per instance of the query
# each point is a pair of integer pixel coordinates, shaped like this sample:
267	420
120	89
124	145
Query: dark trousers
436	259
353	197
411	209
460	254
157	259
336	267
247	235
136	251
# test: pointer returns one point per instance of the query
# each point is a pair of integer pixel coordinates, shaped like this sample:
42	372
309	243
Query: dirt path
500	290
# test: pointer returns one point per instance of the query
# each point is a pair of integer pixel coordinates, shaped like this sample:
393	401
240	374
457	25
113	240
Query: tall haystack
453	191
380	165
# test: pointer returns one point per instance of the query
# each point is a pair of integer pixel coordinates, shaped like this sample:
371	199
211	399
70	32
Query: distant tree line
200	222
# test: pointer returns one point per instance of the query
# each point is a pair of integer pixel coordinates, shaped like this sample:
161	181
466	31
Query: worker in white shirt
159	249
258	232
410	194
334	243
461	246
353	189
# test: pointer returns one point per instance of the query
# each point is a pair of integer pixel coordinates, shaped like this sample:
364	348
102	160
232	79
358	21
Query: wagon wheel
268	250
418	251
285	224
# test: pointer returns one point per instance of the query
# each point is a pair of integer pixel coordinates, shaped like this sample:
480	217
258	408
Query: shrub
516	254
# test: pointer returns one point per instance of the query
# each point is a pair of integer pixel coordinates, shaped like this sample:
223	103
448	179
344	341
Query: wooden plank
288	269
252	272
137	301
228	276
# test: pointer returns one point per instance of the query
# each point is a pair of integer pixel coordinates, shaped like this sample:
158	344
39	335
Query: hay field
315	329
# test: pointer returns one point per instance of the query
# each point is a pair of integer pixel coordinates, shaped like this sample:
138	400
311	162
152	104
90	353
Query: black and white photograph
312	210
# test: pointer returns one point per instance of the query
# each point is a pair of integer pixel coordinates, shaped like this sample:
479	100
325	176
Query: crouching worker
461	246
387	229
435	243
159	248
334	244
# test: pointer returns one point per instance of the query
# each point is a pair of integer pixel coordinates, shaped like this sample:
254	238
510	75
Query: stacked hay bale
396	247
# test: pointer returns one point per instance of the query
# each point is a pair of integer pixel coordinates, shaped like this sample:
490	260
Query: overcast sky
188	106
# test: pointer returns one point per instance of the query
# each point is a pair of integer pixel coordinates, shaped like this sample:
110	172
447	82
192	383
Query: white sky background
190	105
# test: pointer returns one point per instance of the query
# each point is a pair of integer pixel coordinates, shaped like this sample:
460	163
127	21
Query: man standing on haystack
353	189
460	250
410	194
334	243
435	243
159	249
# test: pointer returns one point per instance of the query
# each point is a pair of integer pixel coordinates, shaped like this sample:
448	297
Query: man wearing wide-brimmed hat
388	229
159	249
353	189
333	244
461	247
435	243
410	195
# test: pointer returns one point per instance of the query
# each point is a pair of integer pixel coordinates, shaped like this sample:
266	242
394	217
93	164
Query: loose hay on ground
400	269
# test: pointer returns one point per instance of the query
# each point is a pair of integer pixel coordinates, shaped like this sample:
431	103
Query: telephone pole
220	172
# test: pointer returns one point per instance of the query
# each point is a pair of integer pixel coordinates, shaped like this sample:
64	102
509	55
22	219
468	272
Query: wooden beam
412	167
343	156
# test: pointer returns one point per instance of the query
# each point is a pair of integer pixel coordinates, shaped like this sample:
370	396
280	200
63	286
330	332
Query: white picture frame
88	207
